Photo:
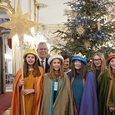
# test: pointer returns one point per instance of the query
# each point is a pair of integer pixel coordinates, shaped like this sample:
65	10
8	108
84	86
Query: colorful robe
63	104
88	102
111	96
102	94
36	97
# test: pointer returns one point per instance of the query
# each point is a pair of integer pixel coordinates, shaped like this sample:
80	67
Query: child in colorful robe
84	87
100	71
32	83
56	94
111	92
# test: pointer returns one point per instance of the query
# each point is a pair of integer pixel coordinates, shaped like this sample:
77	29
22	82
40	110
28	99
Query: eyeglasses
96	59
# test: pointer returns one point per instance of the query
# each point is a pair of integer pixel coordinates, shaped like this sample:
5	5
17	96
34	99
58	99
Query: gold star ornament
19	23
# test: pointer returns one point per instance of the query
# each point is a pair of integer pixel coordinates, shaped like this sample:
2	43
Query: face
56	64
112	63
97	61
42	51
66	63
77	64
30	58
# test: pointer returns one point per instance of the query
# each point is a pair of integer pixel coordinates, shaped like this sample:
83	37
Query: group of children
53	93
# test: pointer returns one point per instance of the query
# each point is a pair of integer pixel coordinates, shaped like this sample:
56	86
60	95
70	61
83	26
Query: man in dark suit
42	50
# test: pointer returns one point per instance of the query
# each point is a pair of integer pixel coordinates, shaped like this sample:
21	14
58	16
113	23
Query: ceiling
53	13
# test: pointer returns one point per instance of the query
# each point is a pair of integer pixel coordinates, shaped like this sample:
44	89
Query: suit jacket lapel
47	66
38	62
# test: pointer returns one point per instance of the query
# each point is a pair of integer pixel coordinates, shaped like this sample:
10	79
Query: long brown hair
103	67
36	71
51	73
82	70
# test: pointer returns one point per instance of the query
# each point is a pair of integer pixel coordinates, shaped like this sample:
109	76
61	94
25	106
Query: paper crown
111	55
80	54
80	57
31	51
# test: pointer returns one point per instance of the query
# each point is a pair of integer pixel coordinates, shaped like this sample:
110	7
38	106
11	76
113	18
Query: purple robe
89	104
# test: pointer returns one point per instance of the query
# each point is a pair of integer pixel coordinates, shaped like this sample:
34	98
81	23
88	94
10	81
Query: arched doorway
4	72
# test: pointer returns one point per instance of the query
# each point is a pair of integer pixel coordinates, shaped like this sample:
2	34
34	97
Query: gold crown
80	54
30	51
111	54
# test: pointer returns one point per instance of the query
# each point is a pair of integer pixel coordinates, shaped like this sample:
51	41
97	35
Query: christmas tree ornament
55	41
68	19
74	14
98	26
67	12
91	0
80	30
91	30
61	37
90	60
87	44
71	40
90	39
78	38
83	3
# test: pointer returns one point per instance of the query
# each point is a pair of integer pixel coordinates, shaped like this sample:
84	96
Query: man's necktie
42	65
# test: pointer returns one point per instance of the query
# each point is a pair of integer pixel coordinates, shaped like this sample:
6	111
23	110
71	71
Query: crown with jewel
80	55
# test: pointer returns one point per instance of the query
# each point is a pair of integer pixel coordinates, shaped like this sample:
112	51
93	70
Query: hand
21	82
28	91
111	109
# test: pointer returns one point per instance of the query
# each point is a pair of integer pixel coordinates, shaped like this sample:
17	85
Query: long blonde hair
51	73
103	66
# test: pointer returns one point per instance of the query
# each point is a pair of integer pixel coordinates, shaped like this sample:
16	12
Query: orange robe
32	101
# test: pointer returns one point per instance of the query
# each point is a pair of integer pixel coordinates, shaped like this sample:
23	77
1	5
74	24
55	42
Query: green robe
102	96
63	104
112	98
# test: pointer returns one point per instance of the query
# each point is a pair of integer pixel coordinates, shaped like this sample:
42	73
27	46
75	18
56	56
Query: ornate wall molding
6	7
48	32
41	5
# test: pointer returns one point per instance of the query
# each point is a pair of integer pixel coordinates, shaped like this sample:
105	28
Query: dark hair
36	71
82	70
65	56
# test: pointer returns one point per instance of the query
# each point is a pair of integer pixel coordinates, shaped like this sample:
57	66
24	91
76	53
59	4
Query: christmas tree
88	28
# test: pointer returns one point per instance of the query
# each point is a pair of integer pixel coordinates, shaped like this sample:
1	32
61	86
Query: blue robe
89	104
